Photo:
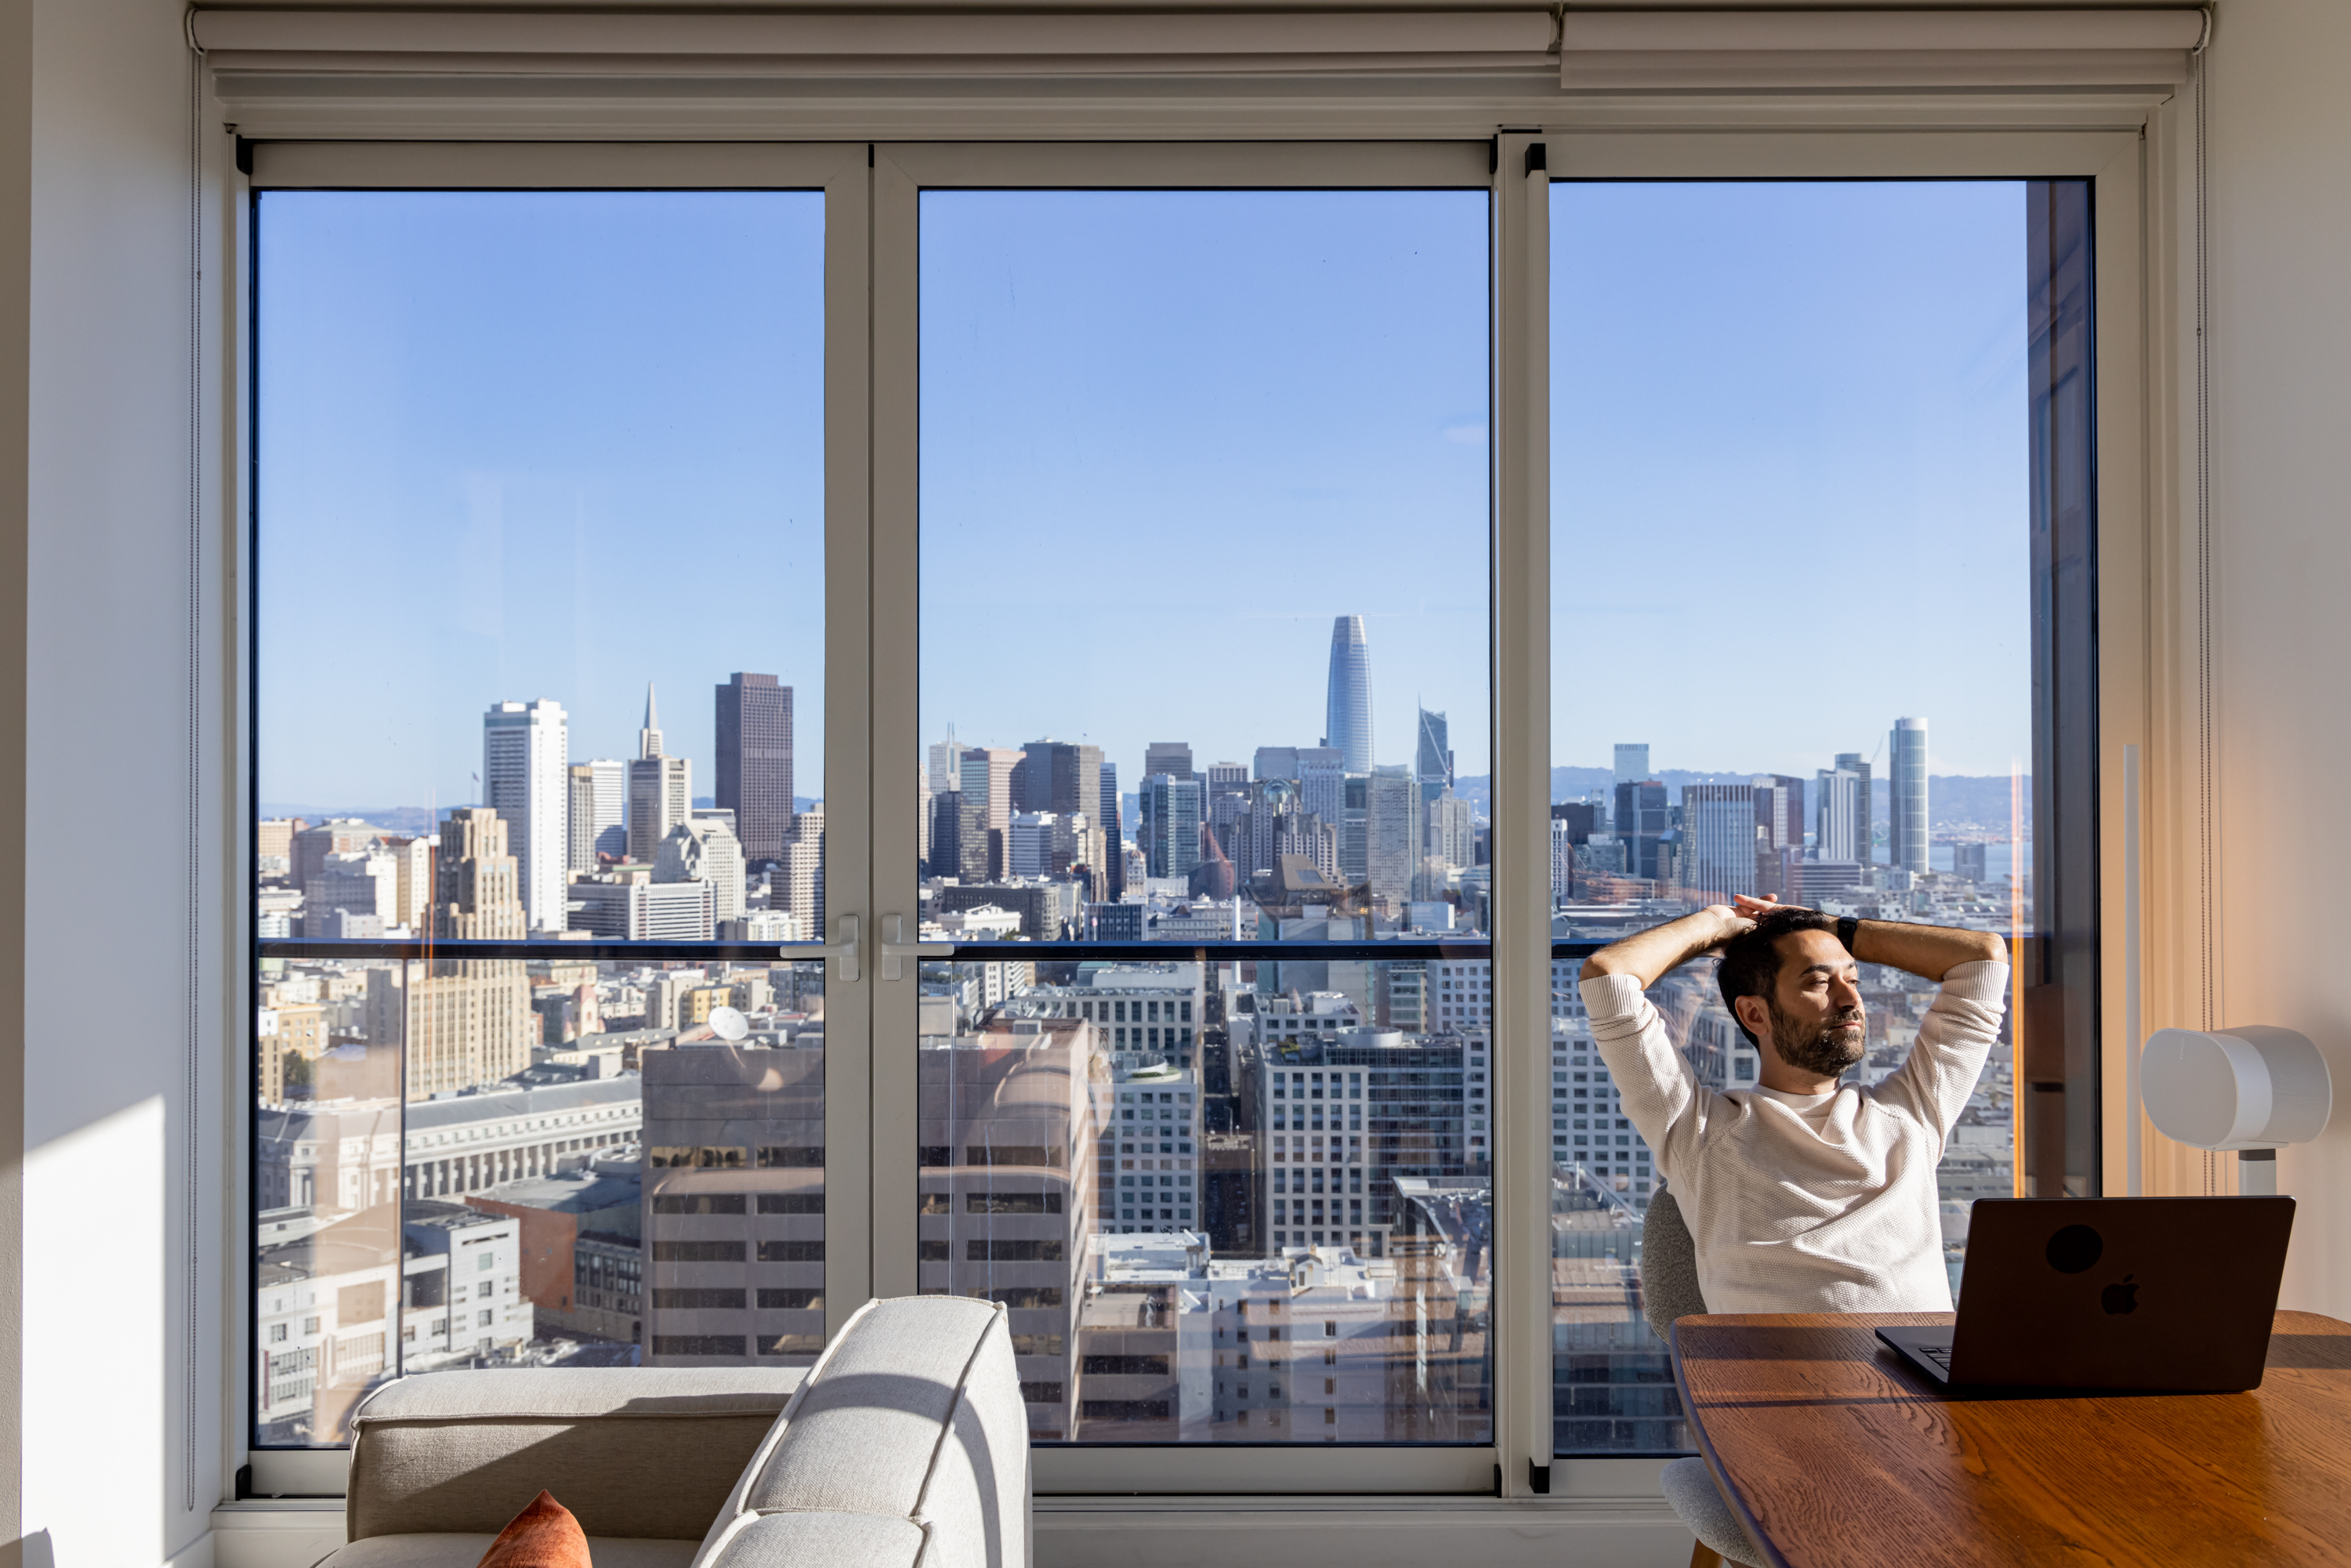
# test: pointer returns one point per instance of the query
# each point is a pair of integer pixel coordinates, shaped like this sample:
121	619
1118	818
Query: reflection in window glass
1791	542
1203	663
539	635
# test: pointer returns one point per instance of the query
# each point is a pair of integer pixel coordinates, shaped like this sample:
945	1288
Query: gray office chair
1669	1291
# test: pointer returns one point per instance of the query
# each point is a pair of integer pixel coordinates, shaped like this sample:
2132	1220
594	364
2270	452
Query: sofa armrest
635	1451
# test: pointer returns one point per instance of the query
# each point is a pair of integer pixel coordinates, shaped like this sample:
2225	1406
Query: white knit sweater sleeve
1662	1098
1934	1081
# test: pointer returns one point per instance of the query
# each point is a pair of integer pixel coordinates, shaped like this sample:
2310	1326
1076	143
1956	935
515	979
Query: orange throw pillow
543	1535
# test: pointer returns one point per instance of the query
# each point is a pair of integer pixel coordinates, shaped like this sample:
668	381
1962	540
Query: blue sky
1168	437
1789	470
527	444
522	445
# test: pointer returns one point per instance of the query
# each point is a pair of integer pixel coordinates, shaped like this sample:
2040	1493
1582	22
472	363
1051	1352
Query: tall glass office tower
1433	760
1907	817
1347	726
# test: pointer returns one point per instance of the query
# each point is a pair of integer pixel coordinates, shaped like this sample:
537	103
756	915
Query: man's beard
1827	1051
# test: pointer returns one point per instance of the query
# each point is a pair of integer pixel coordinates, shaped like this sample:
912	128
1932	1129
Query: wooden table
1836	1452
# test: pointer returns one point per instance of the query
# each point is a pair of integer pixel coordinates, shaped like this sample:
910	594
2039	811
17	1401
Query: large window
539	741
1803	642
1205	702
939	719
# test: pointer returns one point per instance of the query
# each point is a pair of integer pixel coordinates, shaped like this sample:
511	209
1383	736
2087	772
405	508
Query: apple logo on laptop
2120	1299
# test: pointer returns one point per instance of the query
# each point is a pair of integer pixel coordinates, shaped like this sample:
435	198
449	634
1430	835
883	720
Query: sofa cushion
913	1413
821	1540
464	1550
646	1452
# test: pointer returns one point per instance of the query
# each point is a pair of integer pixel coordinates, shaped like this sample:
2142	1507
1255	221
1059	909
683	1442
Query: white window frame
871	285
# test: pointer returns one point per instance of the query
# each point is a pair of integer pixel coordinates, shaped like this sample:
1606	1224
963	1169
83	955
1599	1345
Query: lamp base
2257	1173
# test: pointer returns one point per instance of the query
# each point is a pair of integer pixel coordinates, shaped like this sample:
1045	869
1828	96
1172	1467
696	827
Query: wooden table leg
1705	1557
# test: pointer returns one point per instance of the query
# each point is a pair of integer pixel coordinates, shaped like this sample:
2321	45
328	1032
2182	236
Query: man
1803	1197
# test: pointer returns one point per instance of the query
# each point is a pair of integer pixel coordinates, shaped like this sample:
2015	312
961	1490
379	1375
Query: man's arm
1930	952
1649	956
1660	1097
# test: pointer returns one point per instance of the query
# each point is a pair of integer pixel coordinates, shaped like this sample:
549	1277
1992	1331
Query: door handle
844	948
895	948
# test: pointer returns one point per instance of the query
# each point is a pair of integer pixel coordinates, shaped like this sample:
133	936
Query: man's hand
1649	956
1930	952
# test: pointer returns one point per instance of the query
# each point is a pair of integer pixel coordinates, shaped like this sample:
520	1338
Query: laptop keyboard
1940	1355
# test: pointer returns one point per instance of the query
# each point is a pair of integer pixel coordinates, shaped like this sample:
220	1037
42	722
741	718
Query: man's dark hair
1751	962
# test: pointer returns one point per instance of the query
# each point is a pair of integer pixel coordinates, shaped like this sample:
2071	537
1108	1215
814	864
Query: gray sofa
906	1446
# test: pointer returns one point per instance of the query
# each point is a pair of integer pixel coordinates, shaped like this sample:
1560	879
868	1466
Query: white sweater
1807	1203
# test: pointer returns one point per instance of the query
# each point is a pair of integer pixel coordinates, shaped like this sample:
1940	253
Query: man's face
1817	1021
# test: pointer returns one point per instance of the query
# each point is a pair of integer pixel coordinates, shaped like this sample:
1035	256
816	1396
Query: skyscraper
1433	759
1173	758
525	759
1643	816
1780	810
1718	823
468	1023
660	788
1113	834
1907	778
581	855
946	764
1059	777
1864	806
1171	824
605	832
1840	808
986	809
754	762
1393	831
1347	710
1631	768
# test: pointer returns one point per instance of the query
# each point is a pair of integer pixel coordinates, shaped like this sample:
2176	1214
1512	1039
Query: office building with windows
1720	840
1347	707
526	764
754	775
1173	758
1170	825
660	788
1906	822
734	1191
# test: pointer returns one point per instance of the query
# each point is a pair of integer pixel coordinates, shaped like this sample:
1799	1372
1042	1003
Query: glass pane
1227	454
539	663
1791	526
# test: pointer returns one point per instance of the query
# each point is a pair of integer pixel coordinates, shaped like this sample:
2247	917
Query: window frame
870	655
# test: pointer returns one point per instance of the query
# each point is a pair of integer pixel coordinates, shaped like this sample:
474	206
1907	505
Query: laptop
2149	1294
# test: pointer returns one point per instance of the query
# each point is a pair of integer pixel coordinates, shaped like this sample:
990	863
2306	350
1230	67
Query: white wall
94	711
2280	268
120	1452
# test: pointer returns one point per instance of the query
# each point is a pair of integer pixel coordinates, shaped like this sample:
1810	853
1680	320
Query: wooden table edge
1722	1483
